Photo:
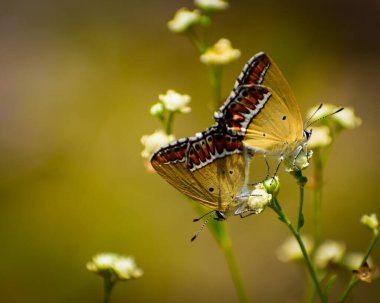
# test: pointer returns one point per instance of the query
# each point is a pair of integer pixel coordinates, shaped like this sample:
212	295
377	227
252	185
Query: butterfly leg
278	166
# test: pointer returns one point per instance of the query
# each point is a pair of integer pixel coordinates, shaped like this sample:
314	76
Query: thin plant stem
169	123
354	279
216	80
221	236
283	217
108	286
317	195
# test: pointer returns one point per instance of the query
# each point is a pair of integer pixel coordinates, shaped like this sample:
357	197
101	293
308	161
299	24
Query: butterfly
263	110
260	115
210	168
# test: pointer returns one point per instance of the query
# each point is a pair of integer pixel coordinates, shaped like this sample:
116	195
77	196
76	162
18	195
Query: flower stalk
312	271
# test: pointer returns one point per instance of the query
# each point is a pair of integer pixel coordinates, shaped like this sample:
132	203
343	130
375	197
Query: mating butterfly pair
260	116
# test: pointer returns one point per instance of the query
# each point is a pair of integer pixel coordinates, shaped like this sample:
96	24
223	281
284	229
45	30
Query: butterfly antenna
312	116
326	116
203	225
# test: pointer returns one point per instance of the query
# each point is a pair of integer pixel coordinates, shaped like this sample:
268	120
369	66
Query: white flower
347	119
353	260
184	19
298	161
290	249
125	268
211	5
157	109
325	110
329	252
174	101
154	141
320	137
220	54
259	198
121	267
101	262
371	222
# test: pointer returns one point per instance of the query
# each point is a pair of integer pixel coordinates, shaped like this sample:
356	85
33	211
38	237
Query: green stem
169	123
198	44
225	243
317	195
283	217
221	236
108	286
354	279
216	80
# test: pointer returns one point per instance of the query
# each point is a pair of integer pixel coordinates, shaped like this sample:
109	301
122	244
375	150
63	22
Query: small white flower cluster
184	19
329	252
320	137
221	53
298	161
371	222
291	251
345	119
175	102
154	141
259	198
121	267
211	5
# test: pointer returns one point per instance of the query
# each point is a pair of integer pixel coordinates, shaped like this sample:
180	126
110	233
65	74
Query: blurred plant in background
113	267
321	258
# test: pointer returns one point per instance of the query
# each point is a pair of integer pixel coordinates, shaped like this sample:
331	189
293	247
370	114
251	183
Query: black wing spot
231	172
284	118
264	135
211	189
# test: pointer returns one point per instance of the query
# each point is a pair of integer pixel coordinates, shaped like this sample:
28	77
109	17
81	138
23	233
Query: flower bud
371	222
221	53
157	110
183	20
272	185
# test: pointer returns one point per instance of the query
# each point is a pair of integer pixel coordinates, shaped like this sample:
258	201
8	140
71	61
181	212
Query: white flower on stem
329	252
184	19
126	269
320	137
371	222
157	109
174	101
101	262
347	119
121	267
220	54
259	198
211	5
298	161
291	251
353	260
154	141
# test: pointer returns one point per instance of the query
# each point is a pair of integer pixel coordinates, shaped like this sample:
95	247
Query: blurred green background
77	79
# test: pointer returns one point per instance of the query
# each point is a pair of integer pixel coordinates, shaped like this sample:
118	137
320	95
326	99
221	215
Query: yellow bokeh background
77	79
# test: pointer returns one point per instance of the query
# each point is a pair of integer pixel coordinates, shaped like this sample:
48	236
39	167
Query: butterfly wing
209	168
262	108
